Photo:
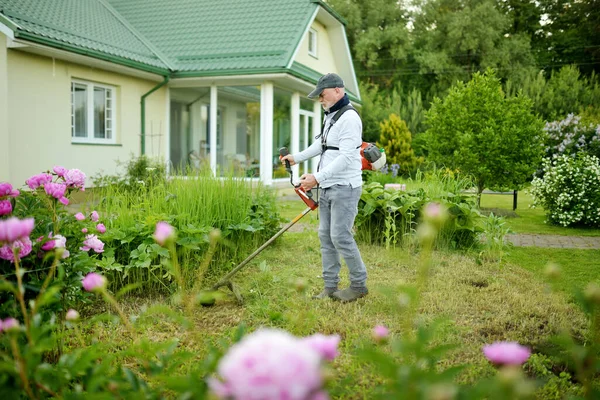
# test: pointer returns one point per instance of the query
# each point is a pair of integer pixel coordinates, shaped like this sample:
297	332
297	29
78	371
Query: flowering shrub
55	232
570	136
568	190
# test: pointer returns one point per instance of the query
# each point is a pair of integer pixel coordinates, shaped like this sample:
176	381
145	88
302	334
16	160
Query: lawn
526	219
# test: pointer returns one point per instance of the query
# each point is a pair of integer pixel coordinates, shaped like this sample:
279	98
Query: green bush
140	173
396	140
568	190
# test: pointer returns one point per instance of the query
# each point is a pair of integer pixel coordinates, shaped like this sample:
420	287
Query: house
84	83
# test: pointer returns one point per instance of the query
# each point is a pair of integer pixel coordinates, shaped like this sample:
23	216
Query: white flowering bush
571	136
569	190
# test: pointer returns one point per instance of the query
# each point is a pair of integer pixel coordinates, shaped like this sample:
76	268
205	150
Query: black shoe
349	294
327	292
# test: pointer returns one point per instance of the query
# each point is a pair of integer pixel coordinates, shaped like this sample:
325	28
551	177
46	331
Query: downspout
143	122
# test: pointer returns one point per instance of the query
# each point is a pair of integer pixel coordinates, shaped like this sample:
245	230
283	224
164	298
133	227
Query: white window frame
90	113
312	42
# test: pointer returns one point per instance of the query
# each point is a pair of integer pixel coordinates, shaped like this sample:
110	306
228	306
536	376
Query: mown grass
478	304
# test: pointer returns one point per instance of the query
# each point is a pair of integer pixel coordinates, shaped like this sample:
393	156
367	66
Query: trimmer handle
282	153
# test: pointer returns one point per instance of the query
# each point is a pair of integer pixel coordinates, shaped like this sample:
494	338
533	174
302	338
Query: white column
213	129
316	128
266	133
167	136
295	139
5	172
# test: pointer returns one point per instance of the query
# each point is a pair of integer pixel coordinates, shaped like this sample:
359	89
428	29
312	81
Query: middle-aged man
339	178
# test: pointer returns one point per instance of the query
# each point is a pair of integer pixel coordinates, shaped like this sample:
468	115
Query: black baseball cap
326	81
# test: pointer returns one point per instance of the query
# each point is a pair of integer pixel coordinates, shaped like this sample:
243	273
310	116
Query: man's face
329	97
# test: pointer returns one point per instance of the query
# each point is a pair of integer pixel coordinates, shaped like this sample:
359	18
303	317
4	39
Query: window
312	42
92	113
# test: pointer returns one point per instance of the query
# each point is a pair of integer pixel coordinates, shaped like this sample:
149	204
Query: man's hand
289	158
308	181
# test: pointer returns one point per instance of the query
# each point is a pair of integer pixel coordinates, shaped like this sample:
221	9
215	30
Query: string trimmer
306	196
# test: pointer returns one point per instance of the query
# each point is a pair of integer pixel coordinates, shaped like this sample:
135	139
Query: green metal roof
209	35
185	37
85	26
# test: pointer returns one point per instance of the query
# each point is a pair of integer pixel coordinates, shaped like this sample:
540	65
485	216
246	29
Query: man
340	180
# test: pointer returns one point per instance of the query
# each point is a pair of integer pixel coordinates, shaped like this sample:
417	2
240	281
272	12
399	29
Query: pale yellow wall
325	61
39	110
4	139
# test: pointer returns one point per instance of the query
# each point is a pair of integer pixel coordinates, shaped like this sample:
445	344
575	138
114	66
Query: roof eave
330	10
91	53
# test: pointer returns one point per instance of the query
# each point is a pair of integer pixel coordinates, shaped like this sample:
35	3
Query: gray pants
338	206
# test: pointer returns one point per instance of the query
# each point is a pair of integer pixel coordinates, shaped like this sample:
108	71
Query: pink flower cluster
92	241
6	191
14	235
273	364
506	353
66	179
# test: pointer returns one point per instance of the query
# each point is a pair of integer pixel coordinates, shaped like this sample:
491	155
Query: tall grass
195	204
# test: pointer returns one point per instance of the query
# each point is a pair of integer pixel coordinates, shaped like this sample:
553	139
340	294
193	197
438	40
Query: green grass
579	267
529	220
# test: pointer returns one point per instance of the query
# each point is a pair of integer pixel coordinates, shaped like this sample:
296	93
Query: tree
455	38
395	138
481	132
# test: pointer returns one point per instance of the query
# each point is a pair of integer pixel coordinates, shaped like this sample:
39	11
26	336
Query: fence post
514	200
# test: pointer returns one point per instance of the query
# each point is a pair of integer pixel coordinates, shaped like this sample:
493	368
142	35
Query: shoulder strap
340	112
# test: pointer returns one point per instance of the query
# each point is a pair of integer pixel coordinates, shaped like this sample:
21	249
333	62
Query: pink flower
38	180
93	282
163	233
92	242
60	171
57	241
49	245
72	315
79	216
22	244
57	190
506	353
10	324
6	190
84	230
380	333
75	178
13	228
326	346
101	228
95	217
5	207
269	364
